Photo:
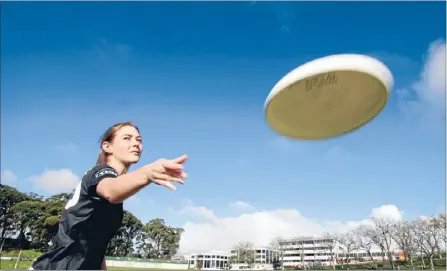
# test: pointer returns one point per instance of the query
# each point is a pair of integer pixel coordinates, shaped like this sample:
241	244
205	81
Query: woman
94	213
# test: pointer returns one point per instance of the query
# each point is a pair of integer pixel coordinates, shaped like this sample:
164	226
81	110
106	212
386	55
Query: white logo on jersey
77	193
105	171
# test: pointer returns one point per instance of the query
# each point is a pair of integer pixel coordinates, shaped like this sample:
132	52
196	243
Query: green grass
130	268
31	254
9	265
440	264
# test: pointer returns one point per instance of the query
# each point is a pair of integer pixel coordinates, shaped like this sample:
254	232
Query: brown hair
108	136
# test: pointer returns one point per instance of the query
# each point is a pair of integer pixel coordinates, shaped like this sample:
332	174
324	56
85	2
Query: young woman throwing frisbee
94	213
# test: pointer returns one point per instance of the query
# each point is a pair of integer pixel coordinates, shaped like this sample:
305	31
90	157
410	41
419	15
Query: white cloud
56	181
388	212
430	88
260	227
199	212
8	177
241	206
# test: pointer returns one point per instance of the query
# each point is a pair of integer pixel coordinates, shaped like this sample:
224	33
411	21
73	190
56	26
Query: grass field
9	265
439	262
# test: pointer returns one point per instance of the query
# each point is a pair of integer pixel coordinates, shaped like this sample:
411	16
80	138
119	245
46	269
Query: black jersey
87	224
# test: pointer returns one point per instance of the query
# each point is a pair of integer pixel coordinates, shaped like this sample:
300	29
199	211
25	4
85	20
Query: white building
261	255
309	251
362	256
212	260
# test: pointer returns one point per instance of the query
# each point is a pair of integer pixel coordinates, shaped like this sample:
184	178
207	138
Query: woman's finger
165	184
181	159
183	175
172	166
166	177
176	173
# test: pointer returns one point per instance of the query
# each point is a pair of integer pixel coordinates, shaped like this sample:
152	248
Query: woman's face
126	146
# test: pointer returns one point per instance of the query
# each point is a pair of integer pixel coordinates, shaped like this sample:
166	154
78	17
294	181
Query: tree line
423	238
30	221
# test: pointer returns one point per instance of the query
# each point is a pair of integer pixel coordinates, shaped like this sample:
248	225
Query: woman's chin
133	160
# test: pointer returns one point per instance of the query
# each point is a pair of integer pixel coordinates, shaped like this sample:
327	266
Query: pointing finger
166	184
172	166
181	159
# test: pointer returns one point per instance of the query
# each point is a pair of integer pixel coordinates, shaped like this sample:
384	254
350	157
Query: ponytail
102	158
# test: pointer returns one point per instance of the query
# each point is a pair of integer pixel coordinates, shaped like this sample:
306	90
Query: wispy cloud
425	98
261	227
56	180
8	177
241	206
109	51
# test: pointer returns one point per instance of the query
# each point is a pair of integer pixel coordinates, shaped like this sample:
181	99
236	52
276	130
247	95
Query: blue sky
194	77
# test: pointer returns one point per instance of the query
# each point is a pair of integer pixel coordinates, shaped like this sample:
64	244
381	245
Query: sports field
9	265
440	265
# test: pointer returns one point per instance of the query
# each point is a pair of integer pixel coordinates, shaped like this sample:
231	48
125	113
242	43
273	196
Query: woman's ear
106	147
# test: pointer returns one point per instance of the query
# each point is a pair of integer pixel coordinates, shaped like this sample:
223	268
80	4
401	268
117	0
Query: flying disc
328	97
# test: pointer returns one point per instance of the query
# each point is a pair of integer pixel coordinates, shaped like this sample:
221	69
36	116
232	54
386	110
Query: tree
402	234
48	224
158	240
443	226
427	238
331	245
122	243
439	226
362	241
9	196
302	255
383	231
347	240
26	214
171	242
276	244
245	252
232	260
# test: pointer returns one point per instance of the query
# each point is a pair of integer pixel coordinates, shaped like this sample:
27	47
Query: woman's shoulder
100	170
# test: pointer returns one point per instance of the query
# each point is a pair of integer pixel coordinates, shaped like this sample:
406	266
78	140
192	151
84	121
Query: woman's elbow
114	200
108	194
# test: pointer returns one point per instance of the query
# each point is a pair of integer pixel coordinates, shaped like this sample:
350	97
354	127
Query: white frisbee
328	97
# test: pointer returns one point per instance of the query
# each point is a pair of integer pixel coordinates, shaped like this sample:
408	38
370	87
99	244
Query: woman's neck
119	167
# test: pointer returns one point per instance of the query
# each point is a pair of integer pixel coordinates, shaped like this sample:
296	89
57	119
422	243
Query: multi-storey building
261	255
309	251
322	251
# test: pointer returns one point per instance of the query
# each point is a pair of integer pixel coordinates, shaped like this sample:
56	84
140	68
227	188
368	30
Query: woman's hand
164	171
